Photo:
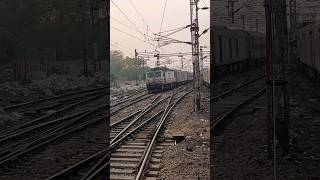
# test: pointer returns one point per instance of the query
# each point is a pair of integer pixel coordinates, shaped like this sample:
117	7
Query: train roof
165	68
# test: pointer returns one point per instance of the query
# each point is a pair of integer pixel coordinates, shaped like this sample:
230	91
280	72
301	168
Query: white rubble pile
51	85
126	86
14	88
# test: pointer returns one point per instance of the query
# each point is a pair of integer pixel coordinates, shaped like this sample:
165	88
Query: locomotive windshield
150	74
154	74
157	74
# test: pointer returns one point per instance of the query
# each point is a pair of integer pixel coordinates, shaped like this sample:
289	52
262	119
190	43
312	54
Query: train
160	79
308	50
235	49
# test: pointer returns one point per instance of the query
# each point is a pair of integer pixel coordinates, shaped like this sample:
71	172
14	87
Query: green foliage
125	68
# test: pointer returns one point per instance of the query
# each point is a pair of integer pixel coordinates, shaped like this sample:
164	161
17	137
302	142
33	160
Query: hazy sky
177	14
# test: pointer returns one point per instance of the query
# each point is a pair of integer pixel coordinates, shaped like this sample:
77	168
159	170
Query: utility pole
158	60
182	58
143	69
201	65
277	74
136	64
195	53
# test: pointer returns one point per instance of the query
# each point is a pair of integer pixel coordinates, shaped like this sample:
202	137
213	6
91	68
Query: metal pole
136	64
269	65
201	66
277	73
195	53
281	58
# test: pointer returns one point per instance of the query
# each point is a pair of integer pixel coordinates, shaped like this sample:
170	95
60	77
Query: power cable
138	12
164	10
127	18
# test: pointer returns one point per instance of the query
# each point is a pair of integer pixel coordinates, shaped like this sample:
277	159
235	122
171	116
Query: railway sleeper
153	169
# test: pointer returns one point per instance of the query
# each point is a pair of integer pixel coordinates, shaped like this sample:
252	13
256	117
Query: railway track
230	101
28	138
132	133
132	151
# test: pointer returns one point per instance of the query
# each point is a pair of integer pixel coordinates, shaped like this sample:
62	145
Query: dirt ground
188	159
240	152
304	160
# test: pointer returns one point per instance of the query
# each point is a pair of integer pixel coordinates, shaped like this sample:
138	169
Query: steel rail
128	99
17	134
236	88
11	130
151	144
38	126
143	112
63	173
217	122
47	139
51	98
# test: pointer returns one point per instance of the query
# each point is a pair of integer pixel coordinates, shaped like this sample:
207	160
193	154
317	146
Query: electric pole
158	60
195	53
277	74
201	65
182	58
136	64
143	69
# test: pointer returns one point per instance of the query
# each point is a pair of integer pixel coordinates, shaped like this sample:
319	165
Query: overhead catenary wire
127	18
138	12
128	34
163	13
122	23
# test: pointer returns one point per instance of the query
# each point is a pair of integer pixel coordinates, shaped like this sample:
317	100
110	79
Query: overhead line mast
195	53
277	76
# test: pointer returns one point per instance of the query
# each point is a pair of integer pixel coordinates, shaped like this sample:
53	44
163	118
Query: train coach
308	49
236	49
160	79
